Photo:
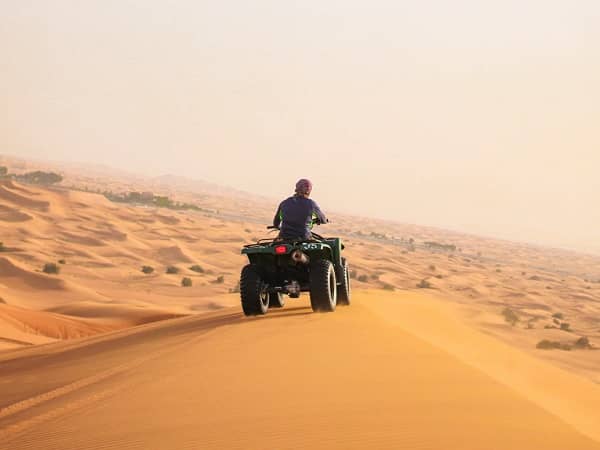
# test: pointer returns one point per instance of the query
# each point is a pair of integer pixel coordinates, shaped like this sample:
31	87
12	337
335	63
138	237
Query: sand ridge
346	380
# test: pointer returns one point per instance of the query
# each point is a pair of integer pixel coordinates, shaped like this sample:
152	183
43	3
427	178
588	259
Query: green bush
545	344
558	315
565	326
186	282
220	279
353	274
62	261
363	278
172	270
432	268
197	268
582	343
388	287
147	269
39	177
424	284
51	268
510	316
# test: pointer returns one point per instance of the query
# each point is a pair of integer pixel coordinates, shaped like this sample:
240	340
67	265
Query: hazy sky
474	115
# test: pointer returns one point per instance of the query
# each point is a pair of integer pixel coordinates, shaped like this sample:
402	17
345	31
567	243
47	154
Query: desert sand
438	349
359	378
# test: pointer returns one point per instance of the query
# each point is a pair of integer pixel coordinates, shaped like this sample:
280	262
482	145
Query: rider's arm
321	218
278	217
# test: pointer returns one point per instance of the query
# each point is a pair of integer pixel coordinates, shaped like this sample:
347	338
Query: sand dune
13	275
396	370
293	379
52	325
8	194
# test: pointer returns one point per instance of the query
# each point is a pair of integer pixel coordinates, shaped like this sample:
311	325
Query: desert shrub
388	287
549	327
535	278
510	316
565	326
582	343
439	276
558	315
498	270
424	284
353	274
186	282
51	268
432	268
172	270
197	268
556	321
220	279
235	289
62	261
2	247
523	273
546	344
3	171
147	269
363	278
443	247
248	230
375	277
39	177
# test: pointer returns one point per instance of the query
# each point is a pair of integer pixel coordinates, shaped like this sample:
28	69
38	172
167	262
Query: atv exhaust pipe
300	257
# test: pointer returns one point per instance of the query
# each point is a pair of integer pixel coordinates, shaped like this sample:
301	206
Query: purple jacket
295	217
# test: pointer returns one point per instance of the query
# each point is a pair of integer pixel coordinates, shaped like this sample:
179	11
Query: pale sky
473	115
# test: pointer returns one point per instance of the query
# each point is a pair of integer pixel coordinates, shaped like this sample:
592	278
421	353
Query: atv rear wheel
253	292
276	300
343	289
323	288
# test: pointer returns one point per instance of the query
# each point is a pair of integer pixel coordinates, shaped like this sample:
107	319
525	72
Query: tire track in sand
22	407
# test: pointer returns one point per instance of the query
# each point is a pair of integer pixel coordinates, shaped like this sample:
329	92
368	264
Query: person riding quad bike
297	261
296	215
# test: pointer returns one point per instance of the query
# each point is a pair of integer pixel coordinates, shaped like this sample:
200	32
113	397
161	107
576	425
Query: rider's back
296	214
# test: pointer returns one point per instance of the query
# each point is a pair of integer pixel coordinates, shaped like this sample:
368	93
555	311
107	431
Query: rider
296	214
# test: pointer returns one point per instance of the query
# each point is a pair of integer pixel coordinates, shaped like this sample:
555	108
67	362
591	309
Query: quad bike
281	267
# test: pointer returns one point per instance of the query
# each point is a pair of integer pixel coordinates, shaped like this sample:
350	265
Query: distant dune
441	346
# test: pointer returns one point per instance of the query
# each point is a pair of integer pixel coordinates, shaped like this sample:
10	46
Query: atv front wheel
323	289
253	292
343	289
276	300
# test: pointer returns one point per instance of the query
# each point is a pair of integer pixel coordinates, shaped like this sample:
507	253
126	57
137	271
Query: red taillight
281	250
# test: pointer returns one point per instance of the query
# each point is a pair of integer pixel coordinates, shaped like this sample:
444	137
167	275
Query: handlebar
314	222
